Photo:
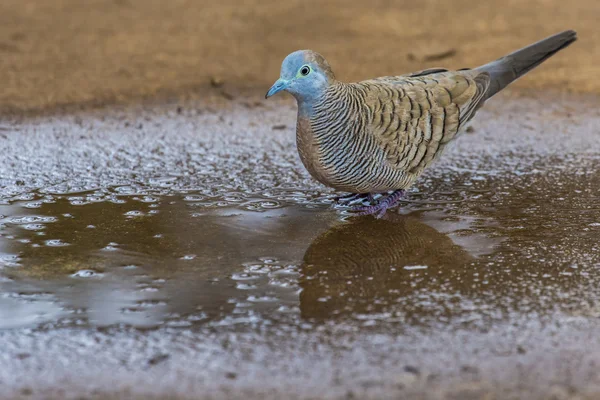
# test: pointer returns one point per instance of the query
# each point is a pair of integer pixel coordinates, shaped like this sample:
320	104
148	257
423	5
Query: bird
374	138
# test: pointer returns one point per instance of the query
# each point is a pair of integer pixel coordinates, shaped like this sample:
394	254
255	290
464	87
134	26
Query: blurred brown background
60	52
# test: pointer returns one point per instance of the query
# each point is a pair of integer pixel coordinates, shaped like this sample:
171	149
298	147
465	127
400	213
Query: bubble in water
197	317
9	260
56	243
87	273
178	324
415	267
262	299
30	219
244	286
188	257
283	283
33	227
258	269
289	270
270	204
242	277
193	198
78	202
151	303
124	190
134	213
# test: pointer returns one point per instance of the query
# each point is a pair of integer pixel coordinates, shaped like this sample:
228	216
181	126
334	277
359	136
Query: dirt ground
72	52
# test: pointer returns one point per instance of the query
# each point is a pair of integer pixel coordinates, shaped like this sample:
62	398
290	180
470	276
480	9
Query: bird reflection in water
365	266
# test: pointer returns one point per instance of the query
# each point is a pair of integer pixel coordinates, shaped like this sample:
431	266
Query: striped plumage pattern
379	135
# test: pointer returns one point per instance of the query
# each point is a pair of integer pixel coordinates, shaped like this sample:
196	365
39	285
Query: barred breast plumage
379	135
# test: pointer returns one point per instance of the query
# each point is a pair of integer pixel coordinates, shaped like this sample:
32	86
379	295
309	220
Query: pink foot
379	209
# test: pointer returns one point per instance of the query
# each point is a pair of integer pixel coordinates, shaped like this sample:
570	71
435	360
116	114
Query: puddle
172	261
148	260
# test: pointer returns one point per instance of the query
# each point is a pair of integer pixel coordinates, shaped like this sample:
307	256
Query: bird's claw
354	198
380	208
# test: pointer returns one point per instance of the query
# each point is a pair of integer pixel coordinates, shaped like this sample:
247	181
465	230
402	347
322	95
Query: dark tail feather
512	66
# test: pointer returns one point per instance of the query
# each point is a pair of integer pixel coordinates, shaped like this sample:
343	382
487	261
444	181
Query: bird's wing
414	116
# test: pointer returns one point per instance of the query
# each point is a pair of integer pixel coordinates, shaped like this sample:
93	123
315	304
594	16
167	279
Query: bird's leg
351	198
379	209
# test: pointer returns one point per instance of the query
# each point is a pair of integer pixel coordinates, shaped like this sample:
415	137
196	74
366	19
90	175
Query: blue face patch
305	75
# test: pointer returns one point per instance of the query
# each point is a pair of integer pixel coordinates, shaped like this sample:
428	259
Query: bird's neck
306	107
309	99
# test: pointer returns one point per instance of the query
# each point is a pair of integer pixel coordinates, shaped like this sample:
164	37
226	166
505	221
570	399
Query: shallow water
103	258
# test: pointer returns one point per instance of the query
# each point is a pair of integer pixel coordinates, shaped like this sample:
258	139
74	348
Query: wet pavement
180	250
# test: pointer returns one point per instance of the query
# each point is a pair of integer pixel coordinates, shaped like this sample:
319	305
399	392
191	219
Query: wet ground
180	250
159	237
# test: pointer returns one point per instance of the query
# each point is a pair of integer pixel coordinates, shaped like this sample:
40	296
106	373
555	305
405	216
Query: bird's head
304	74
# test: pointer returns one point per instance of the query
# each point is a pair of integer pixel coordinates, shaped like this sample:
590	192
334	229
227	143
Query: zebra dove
378	136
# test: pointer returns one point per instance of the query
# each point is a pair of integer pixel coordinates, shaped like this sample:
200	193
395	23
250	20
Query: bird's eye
305	70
